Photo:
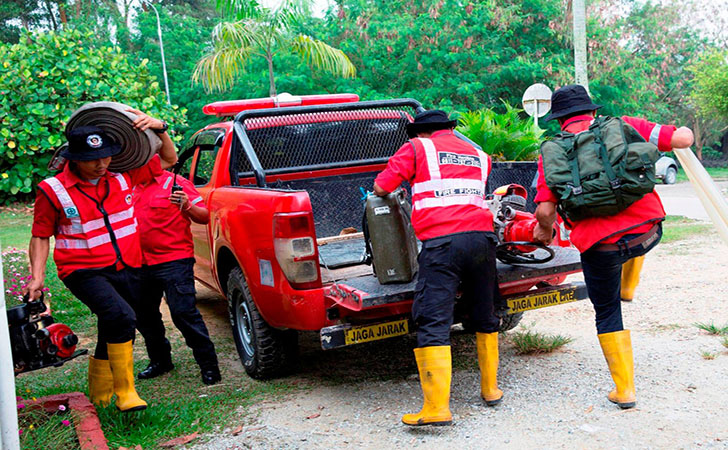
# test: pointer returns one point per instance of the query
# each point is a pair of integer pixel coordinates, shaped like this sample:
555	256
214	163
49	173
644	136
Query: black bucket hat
88	143
570	99
429	121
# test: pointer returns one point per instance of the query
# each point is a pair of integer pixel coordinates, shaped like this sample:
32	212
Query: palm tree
258	31
580	63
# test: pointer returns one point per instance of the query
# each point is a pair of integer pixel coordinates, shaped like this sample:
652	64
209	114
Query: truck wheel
670	176
264	351
508	321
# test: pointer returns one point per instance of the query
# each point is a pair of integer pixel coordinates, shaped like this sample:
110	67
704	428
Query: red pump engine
514	227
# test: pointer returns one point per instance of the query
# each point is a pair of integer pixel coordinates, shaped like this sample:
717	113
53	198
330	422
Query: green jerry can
391	238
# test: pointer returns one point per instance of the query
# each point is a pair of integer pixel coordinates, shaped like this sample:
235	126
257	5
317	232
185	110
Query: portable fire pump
514	226
36	340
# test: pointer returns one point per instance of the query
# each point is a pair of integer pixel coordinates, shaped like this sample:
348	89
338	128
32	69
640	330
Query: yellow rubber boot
121	359
100	381
435	367
487	344
631	277
617	348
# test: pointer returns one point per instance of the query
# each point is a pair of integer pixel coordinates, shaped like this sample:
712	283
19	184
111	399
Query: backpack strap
614	182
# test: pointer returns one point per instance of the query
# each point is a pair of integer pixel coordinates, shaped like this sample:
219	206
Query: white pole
8	407
161	50
535	114
580	71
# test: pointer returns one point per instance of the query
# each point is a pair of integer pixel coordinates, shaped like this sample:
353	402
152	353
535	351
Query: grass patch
529	342
724	342
47	430
179	404
713	329
716	173
708	355
677	228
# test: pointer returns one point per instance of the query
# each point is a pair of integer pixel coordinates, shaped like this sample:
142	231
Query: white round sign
537	98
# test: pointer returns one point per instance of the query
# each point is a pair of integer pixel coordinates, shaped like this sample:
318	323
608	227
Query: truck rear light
294	242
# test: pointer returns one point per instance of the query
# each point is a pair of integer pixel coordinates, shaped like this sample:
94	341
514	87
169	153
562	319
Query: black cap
88	143
429	121
570	99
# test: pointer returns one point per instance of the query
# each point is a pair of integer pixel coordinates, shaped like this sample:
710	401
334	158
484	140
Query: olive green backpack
600	171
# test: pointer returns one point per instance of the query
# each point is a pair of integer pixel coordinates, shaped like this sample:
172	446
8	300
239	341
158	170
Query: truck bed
343	269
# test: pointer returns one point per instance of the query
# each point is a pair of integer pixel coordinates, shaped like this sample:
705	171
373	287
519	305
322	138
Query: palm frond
321	55
233	44
238	9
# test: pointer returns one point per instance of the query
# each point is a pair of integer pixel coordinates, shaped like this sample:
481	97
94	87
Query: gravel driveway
355	397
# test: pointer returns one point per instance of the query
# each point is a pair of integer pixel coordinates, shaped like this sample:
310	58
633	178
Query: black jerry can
392	238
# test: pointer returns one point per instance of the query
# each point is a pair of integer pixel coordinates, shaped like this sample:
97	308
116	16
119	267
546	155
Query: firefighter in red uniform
450	217
608	242
168	261
90	213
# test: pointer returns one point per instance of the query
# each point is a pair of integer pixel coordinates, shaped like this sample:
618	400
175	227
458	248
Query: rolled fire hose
137	147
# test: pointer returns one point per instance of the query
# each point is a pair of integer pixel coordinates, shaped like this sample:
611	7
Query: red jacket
448	178
94	225
164	230
639	217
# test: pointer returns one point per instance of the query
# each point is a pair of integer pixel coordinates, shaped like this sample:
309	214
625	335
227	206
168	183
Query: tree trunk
51	16
698	139
78	9
62	12
271	76
580	64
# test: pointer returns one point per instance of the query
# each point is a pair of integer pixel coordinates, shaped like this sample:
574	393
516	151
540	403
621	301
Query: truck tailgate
357	288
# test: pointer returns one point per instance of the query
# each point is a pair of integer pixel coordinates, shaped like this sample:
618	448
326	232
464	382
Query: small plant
529	342
708	355
725	342
506	137
712	328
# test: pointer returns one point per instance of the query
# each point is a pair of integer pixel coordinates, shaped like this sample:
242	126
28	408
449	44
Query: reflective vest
94	232
448	192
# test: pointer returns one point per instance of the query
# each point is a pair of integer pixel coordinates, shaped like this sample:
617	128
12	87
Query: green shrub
506	137
43	79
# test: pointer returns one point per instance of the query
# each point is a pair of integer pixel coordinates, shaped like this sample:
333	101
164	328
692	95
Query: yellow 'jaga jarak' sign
358	335
537	301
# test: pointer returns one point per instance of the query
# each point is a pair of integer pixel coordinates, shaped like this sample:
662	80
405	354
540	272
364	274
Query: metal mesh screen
523	173
328	137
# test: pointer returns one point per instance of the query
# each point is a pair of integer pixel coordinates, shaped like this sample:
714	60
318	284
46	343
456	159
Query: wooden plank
343	237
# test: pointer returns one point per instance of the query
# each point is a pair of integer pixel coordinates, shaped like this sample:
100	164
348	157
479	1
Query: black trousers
174	279
603	277
109	294
444	263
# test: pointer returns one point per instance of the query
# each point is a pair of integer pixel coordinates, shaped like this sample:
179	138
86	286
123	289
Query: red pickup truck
283	182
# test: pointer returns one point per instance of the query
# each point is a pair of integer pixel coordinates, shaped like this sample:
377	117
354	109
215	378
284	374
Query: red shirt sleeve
660	135
543	193
146	172
401	167
45	216
190	190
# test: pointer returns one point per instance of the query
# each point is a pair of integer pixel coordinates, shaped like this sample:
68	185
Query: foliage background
44	79
646	58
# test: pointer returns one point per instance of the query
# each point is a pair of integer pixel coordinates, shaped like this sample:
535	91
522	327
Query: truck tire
264	351
508	321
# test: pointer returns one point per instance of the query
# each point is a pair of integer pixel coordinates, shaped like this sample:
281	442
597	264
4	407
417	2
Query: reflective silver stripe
432	164
61	192
69	208
447	184
95	224
122	181
166	183
483	165
454	200
197	200
96	240
655	134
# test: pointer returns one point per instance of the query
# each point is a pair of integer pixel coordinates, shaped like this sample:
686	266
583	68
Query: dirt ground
354	397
